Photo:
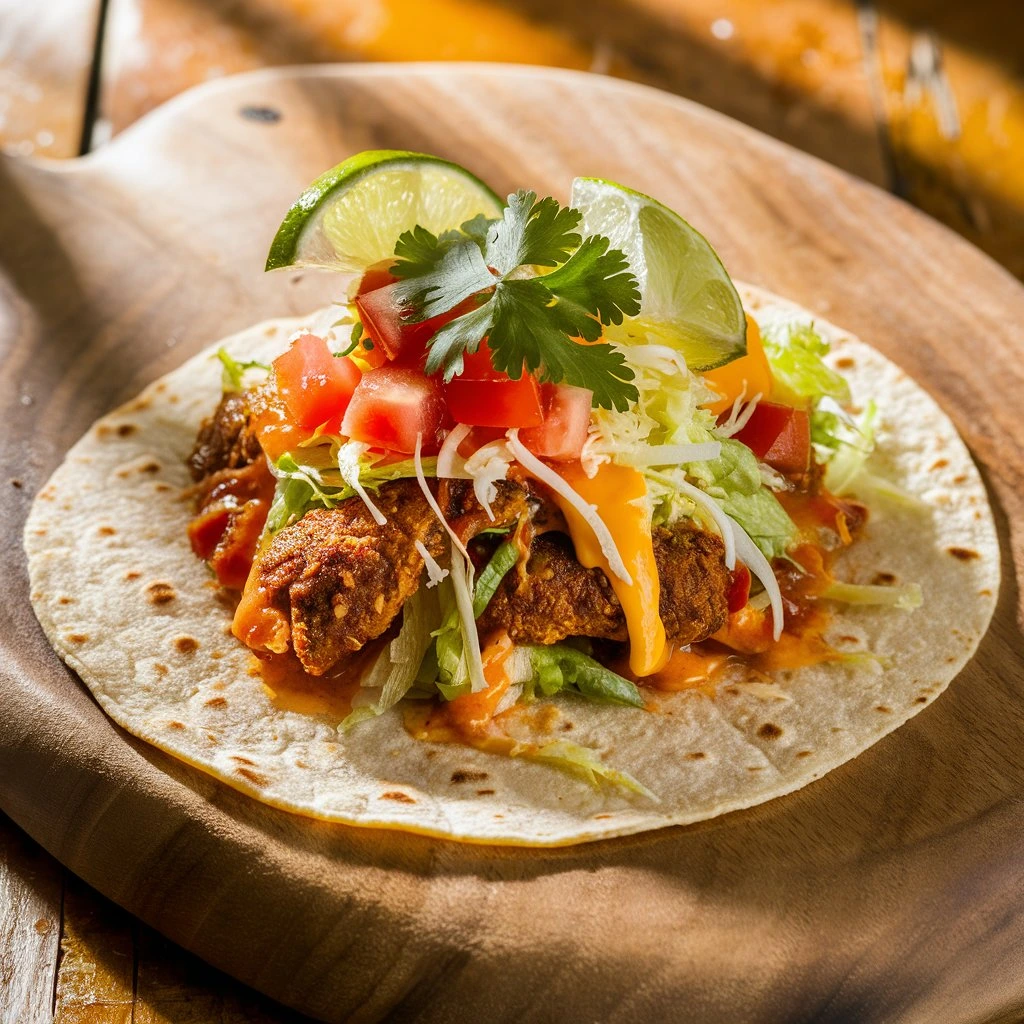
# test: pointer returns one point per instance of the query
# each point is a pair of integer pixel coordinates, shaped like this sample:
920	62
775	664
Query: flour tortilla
132	610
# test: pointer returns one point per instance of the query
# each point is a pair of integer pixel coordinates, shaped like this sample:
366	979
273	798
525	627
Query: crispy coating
225	440
341	577
556	597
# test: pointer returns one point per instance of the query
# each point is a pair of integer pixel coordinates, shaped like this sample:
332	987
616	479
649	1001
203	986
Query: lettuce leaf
559	667
734	481
798	365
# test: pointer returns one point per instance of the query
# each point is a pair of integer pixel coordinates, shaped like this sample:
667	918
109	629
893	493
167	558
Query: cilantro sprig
546	323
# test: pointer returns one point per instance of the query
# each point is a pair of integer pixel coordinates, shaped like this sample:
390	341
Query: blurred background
922	97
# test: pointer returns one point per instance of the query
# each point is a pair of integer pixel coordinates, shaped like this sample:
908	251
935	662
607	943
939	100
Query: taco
545	532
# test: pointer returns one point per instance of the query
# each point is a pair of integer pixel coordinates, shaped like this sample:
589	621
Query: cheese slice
619	492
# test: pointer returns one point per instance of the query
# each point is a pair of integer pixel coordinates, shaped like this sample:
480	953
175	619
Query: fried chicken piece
225	440
556	597
342	578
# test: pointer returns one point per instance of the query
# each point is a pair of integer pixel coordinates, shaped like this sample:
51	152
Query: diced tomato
751	370
780	436
393	338
739	588
391	405
566	422
313	383
484	397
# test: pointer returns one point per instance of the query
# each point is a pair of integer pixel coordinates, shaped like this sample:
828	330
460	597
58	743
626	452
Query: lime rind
352	215
689	301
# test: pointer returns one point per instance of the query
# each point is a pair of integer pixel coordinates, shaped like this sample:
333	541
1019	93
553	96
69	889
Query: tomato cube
393	404
566	423
779	436
484	397
313	383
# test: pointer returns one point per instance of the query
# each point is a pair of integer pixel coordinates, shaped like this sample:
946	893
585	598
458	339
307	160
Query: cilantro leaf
463	334
534	323
598	279
419	251
534	330
459	273
532	233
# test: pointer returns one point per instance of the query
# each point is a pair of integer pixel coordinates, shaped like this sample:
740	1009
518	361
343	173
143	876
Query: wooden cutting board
890	890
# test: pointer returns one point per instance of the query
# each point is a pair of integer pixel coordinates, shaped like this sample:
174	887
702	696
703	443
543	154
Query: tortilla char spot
883	708
242	760
178	726
984	592
126	429
836	728
804	753
106	531
731	690
567	727
769	731
430	753
940	463
696	755
254	777
846	363
951	659
162	487
216	655
601	817
160	669
77	638
41	532
269	332
186	644
212	737
160	592
485	792
468	775
301	764
755	768
846	640
152	466
65	600
132	575
964	554
920	700
102	430
400	797
160	387
960	478
17	483
216	702
883	579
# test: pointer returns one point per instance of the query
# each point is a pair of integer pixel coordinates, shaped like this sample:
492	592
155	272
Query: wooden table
917	97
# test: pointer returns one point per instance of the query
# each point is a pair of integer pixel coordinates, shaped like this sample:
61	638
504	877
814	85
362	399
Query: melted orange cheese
618	492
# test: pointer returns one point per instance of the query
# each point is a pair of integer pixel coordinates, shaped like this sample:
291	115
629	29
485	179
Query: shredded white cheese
585	509
449	463
759	566
740	414
435	573
668	454
721	520
487	465
348	465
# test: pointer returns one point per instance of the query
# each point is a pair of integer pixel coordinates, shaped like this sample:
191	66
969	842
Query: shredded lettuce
559	667
734	480
452	679
504	558
586	764
907	597
798	366
309	477
234	370
397	668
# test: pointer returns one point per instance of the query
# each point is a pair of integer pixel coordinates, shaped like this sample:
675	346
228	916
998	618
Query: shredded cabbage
586	764
558	667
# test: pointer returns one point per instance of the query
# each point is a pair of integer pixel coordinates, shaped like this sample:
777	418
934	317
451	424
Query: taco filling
524	457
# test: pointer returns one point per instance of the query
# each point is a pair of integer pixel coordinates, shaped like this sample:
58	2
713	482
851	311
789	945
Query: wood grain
30	917
887	891
46	53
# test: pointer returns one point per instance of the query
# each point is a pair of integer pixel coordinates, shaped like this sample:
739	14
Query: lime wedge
351	216
689	303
